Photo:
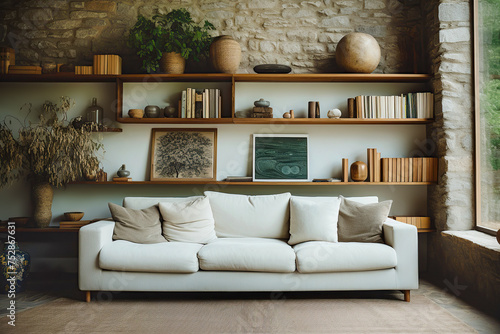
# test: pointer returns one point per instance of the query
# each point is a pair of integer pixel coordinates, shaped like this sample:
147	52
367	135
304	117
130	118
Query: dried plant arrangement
54	150
51	152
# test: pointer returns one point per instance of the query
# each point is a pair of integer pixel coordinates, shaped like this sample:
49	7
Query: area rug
155	315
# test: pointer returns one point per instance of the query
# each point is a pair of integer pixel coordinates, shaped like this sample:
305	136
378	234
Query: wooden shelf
197	77
259	183
41	230
165	120
56	77
333	77
314	121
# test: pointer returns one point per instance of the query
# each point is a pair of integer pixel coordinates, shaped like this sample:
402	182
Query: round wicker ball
358	52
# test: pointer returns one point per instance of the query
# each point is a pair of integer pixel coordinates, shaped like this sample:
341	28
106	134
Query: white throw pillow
313	219
190	221
258	216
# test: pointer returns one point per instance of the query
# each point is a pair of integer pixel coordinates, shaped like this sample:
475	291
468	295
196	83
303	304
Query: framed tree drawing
280	157
183	154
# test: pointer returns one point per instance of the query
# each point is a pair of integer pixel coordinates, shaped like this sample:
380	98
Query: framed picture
183	154
280	157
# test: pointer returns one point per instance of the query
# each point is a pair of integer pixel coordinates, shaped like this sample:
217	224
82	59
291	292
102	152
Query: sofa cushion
362	222
188	221
322	257
145	202
313	218
262	216
167	257
247	254
141	226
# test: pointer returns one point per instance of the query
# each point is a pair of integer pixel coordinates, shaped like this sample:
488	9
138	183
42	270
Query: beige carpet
238	316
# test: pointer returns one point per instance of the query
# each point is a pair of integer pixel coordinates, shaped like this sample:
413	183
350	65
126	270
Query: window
487	82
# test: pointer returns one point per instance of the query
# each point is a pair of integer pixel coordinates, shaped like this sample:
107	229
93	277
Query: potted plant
170	39
49	153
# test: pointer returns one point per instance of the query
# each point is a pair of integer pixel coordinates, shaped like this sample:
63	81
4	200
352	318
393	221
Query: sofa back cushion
139	203
259	216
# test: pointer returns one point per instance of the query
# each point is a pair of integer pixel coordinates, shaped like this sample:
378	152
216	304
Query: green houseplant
166	33
49	153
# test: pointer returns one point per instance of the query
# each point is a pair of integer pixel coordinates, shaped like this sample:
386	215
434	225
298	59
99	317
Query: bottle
94	113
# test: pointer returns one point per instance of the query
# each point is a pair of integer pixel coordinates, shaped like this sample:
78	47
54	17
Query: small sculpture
287	115
122	171
334	113
262	103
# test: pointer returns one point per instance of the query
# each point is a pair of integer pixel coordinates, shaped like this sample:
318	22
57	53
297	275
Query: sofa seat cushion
324	257
247	254
166	257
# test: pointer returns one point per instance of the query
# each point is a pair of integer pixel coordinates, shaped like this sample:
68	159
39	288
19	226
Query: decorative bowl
73	216
136	113
261	103
20	221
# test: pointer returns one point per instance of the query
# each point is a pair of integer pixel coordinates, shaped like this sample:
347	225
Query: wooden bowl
73	216
20	221
136	113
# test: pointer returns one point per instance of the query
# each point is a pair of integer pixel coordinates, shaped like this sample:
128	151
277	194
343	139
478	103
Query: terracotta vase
43	194
225	54
359	171
172	63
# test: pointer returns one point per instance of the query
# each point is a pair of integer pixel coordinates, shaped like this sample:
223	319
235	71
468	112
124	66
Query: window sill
479	238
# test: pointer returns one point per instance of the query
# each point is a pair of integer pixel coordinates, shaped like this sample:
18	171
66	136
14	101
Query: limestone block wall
299	33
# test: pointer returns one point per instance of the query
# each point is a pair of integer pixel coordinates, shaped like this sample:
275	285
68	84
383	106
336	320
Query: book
122	179
238	179
73	224
345	170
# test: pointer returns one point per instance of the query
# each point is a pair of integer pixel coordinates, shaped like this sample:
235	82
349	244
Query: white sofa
251	253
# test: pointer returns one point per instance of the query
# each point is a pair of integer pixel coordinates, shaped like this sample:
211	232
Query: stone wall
450	137
299	33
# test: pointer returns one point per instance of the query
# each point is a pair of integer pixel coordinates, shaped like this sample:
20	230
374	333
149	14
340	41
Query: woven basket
225	54
172	63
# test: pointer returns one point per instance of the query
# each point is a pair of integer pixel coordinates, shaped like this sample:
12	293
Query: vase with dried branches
50	153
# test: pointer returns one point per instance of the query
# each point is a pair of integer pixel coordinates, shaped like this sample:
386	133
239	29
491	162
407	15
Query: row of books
19	69
418	222
107	64
197	103
7	58
73	224
411	105
84	70
409	169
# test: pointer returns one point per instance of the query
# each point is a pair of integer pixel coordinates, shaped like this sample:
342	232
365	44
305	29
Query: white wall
328	144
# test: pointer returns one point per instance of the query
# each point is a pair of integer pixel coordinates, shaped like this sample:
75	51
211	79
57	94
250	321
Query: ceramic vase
359	171
15	265
42	194
172	63
123	172
225	54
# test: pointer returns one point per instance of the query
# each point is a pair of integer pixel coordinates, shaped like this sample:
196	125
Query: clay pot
43	194
152	111
172	63
359	171
358	52
136	113
225	54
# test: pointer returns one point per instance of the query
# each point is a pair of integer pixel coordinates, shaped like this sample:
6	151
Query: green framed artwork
280	157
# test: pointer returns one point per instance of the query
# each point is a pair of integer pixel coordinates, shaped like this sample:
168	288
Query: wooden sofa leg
406	295
87	296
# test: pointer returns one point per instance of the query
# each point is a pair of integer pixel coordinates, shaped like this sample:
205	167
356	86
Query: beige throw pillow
188	221
313	219
362	222
139	226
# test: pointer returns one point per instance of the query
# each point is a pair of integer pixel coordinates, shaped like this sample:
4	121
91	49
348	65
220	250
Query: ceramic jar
225	54
15	266
359	171
152	111
123	172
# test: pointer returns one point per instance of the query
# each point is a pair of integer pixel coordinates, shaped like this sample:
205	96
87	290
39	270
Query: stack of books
206	103
73	224
7	58
411	105
409	169
422	223
374	170
84	70
15	69
107	64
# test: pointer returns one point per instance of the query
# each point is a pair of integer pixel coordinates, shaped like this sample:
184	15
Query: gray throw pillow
362	222
139	226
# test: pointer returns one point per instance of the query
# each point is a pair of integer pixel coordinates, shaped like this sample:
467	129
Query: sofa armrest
404	239
91	239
